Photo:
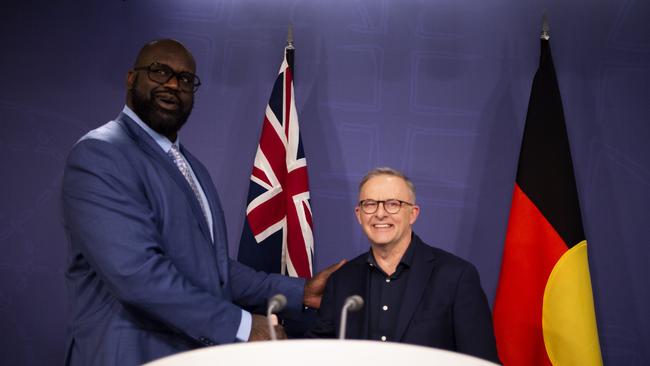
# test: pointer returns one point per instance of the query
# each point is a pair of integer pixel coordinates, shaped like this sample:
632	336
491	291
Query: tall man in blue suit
148	270
413	293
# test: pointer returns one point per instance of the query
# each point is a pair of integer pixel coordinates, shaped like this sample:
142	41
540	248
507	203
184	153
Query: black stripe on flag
545	171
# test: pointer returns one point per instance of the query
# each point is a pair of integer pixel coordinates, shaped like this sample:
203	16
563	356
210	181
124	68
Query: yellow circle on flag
568	317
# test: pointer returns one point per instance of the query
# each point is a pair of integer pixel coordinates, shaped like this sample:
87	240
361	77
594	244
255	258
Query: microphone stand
352	303
276	304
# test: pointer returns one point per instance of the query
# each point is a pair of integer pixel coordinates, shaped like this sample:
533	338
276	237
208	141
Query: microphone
275	305
352	303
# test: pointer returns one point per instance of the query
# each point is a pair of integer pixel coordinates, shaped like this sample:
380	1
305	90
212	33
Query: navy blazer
443	304
144	278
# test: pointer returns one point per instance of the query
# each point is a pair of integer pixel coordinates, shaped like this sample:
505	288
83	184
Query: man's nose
172	83
381	210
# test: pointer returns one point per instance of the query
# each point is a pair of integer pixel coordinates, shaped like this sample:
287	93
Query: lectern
319	353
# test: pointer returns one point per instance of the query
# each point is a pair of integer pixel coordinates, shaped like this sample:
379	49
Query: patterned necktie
185	170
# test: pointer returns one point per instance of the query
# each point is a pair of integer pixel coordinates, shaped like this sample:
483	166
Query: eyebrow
166	64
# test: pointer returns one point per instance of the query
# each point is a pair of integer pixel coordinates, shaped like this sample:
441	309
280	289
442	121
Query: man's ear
415	212
130	79
357	213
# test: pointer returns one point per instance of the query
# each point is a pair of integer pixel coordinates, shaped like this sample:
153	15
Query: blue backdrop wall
437	88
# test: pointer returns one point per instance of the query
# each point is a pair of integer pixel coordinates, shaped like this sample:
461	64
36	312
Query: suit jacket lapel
418	278
218	229
150	147
204	183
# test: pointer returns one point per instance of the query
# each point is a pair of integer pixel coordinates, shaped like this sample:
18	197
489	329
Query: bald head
152	51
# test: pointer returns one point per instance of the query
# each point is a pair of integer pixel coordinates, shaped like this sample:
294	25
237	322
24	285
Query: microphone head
354	302
277	303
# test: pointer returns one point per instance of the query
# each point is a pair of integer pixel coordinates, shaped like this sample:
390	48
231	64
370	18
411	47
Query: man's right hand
260	329
315	286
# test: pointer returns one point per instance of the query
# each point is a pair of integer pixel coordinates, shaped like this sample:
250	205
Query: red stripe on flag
307	214
296	245
274	150
531	251
267	213
297	181
261	175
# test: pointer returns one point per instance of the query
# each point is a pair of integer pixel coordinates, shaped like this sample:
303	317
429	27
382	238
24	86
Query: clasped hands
314	289
260	329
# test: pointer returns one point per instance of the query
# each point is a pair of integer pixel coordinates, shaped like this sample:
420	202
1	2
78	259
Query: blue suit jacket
144	278
443	304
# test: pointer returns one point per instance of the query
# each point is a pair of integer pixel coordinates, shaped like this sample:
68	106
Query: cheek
365	223
188	101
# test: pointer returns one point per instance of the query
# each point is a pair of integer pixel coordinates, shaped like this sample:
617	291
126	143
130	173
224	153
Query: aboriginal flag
544	311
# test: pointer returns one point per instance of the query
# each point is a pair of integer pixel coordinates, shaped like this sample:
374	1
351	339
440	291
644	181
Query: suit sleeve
251	288
472	318
111	224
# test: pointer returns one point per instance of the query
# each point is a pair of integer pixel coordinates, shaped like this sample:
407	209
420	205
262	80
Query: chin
164	125
380	240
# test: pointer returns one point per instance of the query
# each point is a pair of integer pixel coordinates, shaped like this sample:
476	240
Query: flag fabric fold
544	311
277	236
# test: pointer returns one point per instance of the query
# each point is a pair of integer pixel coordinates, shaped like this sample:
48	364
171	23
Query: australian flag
277	235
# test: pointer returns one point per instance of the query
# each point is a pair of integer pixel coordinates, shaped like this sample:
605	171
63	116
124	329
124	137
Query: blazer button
206	341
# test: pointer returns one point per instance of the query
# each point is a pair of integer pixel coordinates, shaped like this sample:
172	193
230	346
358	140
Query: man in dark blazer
413	293
148	270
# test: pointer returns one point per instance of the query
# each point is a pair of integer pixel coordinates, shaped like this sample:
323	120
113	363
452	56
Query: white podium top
319	352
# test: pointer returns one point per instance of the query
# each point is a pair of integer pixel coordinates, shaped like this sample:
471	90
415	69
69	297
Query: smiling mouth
382	226
167	101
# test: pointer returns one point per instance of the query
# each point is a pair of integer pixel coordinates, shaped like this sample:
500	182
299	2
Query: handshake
261	330
265	328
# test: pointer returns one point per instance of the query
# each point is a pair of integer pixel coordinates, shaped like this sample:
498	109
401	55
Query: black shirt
385	295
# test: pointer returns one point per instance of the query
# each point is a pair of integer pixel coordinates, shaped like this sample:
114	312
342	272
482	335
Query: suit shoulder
445	258
108	147
111	132
111	136
452	269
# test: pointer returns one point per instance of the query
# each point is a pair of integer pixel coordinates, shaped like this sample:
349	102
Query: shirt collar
161	140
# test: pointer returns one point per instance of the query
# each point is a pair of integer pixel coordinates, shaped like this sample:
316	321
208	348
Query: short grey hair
391	172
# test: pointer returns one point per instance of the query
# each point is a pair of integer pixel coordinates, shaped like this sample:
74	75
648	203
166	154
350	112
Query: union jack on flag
277	235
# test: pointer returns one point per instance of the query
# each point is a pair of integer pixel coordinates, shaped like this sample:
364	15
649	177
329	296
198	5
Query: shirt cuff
245	325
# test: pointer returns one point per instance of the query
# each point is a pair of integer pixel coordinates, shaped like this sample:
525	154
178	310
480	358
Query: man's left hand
315	287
